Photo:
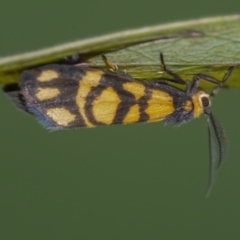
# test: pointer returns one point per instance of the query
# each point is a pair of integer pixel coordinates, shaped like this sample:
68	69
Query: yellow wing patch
133	115
137	89
47	75
46	93
160	105
61	116
105	106
91	79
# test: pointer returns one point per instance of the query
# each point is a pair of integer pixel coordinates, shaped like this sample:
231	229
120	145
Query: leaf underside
208	46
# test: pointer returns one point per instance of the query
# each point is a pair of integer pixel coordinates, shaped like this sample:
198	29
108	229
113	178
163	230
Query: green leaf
208	46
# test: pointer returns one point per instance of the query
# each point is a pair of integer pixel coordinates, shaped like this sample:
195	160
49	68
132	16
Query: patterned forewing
63	96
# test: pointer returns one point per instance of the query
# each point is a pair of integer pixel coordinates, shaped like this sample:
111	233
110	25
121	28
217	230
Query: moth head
201	102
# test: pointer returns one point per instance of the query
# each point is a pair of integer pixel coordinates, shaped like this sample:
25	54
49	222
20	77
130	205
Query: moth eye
205	101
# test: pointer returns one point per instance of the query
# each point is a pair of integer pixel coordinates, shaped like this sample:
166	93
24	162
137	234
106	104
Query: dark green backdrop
144	181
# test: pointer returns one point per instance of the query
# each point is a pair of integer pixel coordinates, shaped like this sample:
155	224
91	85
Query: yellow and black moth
65	96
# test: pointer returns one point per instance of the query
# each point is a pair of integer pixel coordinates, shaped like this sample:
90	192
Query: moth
63	96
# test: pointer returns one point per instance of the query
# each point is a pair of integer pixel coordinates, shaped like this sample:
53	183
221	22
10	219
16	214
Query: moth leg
109	64
175	78
114	68
166	81
193	86
218	83
225	79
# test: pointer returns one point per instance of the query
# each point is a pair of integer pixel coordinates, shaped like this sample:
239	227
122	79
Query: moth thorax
199	102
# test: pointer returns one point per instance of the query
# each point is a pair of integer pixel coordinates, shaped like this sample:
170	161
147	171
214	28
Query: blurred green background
144	181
